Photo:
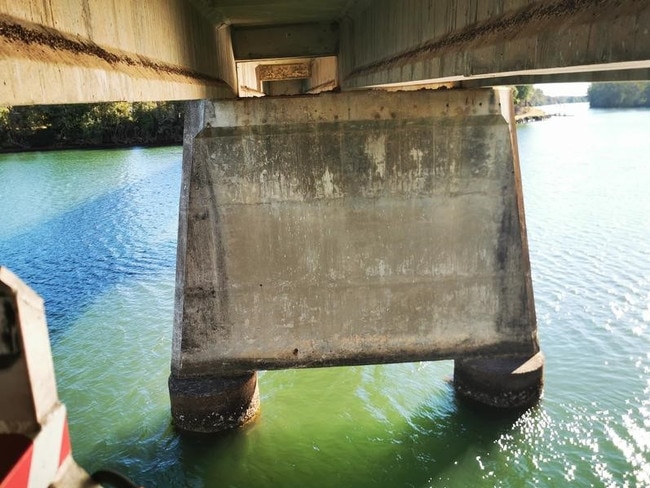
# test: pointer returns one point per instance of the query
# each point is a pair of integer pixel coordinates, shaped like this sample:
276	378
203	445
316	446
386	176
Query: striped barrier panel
35	449
41	460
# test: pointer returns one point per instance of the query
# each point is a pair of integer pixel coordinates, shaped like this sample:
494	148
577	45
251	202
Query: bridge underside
80	51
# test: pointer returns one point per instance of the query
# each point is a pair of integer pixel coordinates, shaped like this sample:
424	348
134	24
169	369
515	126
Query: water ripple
128	232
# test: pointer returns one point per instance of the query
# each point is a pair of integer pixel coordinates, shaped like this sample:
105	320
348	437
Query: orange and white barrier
45	458
35	449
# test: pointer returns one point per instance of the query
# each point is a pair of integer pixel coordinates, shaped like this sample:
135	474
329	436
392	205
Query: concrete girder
420	41
285	41
65	51
609	75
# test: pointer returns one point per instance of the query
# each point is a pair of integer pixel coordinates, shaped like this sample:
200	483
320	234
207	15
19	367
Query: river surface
94	232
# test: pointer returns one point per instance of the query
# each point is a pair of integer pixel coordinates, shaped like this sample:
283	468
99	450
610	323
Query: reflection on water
94	232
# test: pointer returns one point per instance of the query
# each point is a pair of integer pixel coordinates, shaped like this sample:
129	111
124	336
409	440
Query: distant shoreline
87	126
531	114
86	147
535	114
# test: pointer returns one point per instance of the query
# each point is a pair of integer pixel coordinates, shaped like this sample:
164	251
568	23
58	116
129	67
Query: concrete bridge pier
350	228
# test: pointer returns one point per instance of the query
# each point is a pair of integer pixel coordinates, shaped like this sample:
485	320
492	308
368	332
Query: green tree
88	125
538	98
26	126
522	94
103	122
619	95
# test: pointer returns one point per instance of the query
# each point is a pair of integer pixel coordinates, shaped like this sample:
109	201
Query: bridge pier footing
502	382
209	404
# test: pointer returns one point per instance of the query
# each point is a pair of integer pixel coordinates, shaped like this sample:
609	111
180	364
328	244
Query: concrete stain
375	148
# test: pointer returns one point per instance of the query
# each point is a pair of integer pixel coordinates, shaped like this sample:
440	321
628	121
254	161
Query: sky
564	89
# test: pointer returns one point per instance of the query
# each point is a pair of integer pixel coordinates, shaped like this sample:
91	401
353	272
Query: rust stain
275	72
527	20
19	38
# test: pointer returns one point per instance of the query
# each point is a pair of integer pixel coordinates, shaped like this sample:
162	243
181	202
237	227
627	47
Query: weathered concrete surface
351	228
285	41
213	403
507	382
385	42
317	75
78	51
274	12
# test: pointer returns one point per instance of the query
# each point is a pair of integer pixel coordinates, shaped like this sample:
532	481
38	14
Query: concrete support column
203	402
513	381
508	382
207	404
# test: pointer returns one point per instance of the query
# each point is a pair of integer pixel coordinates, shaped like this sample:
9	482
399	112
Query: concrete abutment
343	229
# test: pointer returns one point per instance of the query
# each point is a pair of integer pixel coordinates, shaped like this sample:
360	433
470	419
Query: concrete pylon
340	229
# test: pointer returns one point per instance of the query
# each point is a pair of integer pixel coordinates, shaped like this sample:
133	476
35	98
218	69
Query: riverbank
91	126
531	114
524	115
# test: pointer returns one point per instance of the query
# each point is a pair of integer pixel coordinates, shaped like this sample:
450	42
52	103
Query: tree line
120	124
619	95
90	125
529	96
599	95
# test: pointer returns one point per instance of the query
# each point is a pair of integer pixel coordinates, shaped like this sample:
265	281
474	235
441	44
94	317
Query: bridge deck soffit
397	42
76	51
